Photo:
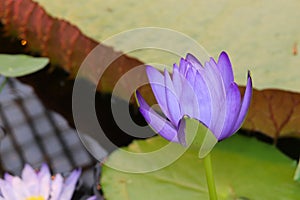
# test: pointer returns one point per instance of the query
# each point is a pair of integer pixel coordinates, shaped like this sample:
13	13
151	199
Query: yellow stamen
35	198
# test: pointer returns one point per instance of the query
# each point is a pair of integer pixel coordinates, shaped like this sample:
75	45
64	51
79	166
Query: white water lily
38	185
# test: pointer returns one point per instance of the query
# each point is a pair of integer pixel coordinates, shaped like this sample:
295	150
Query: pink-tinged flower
39	185
206	93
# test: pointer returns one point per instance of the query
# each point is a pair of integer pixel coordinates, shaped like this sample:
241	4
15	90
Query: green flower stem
210	178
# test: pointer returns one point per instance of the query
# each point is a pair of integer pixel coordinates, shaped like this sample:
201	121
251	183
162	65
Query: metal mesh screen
36	135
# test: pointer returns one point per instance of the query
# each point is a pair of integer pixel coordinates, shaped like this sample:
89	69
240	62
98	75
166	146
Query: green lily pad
244	169
20	65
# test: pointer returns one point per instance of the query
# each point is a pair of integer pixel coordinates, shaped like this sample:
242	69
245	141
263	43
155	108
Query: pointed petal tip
192	59
44	168
210	62
141	101
183	60
223	54
249	80
175	67
249	74
27	165
224	58
27	169
44	165
74	175
189	55
78	170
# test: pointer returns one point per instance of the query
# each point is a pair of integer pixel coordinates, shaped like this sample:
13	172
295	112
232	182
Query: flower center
35	198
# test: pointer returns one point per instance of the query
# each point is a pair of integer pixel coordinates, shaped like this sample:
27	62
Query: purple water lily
206	92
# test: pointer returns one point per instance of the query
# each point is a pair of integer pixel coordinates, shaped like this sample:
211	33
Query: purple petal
157	82
181	132
245	104
177	80
175	66
158	123
191	75
172	100
183	65
225	68
214	82
73	177
188	98
70	184
204	100
185	92
233	105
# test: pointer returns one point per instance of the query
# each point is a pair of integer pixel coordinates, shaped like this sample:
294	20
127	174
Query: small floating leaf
20	65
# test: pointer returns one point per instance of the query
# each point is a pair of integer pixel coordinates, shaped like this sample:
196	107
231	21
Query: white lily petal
56	187
7	190
44	181
29	176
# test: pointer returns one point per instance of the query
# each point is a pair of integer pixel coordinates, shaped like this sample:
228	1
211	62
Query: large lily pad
259	35
275	113
244	169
